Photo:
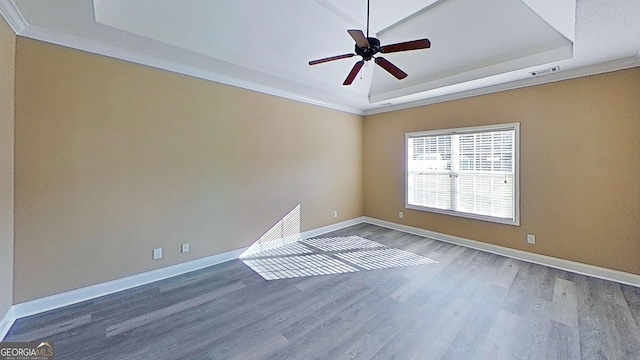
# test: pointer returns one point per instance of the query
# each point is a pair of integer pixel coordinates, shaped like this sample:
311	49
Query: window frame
461	131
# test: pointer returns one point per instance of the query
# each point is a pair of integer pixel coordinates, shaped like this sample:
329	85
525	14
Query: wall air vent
545	71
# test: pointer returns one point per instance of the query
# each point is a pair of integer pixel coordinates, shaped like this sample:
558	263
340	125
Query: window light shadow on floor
285	231
324	256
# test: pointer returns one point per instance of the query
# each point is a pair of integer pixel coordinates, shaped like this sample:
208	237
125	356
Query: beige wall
114	159
7	61
580	167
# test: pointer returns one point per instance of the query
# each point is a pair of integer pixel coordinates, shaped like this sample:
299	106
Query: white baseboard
572	266
6	322
301	236
94	291
332	227
91	292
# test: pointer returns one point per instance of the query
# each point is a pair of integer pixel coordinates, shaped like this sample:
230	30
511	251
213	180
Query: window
469	172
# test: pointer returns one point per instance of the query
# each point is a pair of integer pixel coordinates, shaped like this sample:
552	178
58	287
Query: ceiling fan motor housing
367	53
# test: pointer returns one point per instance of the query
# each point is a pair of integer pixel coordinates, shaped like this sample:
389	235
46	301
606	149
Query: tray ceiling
478	46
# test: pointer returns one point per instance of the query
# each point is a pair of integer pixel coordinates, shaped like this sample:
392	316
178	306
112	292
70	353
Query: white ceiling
478	46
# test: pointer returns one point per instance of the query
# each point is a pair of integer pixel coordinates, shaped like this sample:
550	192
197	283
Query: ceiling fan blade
354	72
359	37
320	61
404	46
392	69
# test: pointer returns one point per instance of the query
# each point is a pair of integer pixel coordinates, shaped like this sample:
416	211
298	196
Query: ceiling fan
367	47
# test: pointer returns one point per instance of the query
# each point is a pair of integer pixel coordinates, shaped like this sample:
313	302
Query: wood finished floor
468	305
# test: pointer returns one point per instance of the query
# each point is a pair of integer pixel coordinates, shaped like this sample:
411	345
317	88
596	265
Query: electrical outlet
531	239
400	214
156	254
335	214
184	248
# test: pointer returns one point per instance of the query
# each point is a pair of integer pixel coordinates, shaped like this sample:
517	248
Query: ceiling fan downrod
368	3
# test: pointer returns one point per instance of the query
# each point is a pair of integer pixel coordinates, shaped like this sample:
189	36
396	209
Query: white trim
574	73
333	227
74	42
94	291
16	21
572	266
515	127
340	13
6	323
13	16
90	292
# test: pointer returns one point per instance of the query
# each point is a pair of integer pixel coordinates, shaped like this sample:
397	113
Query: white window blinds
470	172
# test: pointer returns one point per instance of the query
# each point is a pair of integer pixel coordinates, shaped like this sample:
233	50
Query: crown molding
12	15
74	42
588	70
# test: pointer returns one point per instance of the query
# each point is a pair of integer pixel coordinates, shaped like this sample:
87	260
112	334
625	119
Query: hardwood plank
274	342
283	313
533	330
507	272
632	296
449	332
563	342
179	333
171	310
58	327
474	333
498	344
377	332
427	272
565	303
433	309
607	328
308	341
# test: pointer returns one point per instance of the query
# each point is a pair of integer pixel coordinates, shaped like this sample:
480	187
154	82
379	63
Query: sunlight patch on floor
325	256
384	258
298	266
289	249
341	243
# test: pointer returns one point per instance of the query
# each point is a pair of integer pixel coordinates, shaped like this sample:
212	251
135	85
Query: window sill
512	222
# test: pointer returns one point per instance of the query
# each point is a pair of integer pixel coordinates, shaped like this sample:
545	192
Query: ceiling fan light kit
367	47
